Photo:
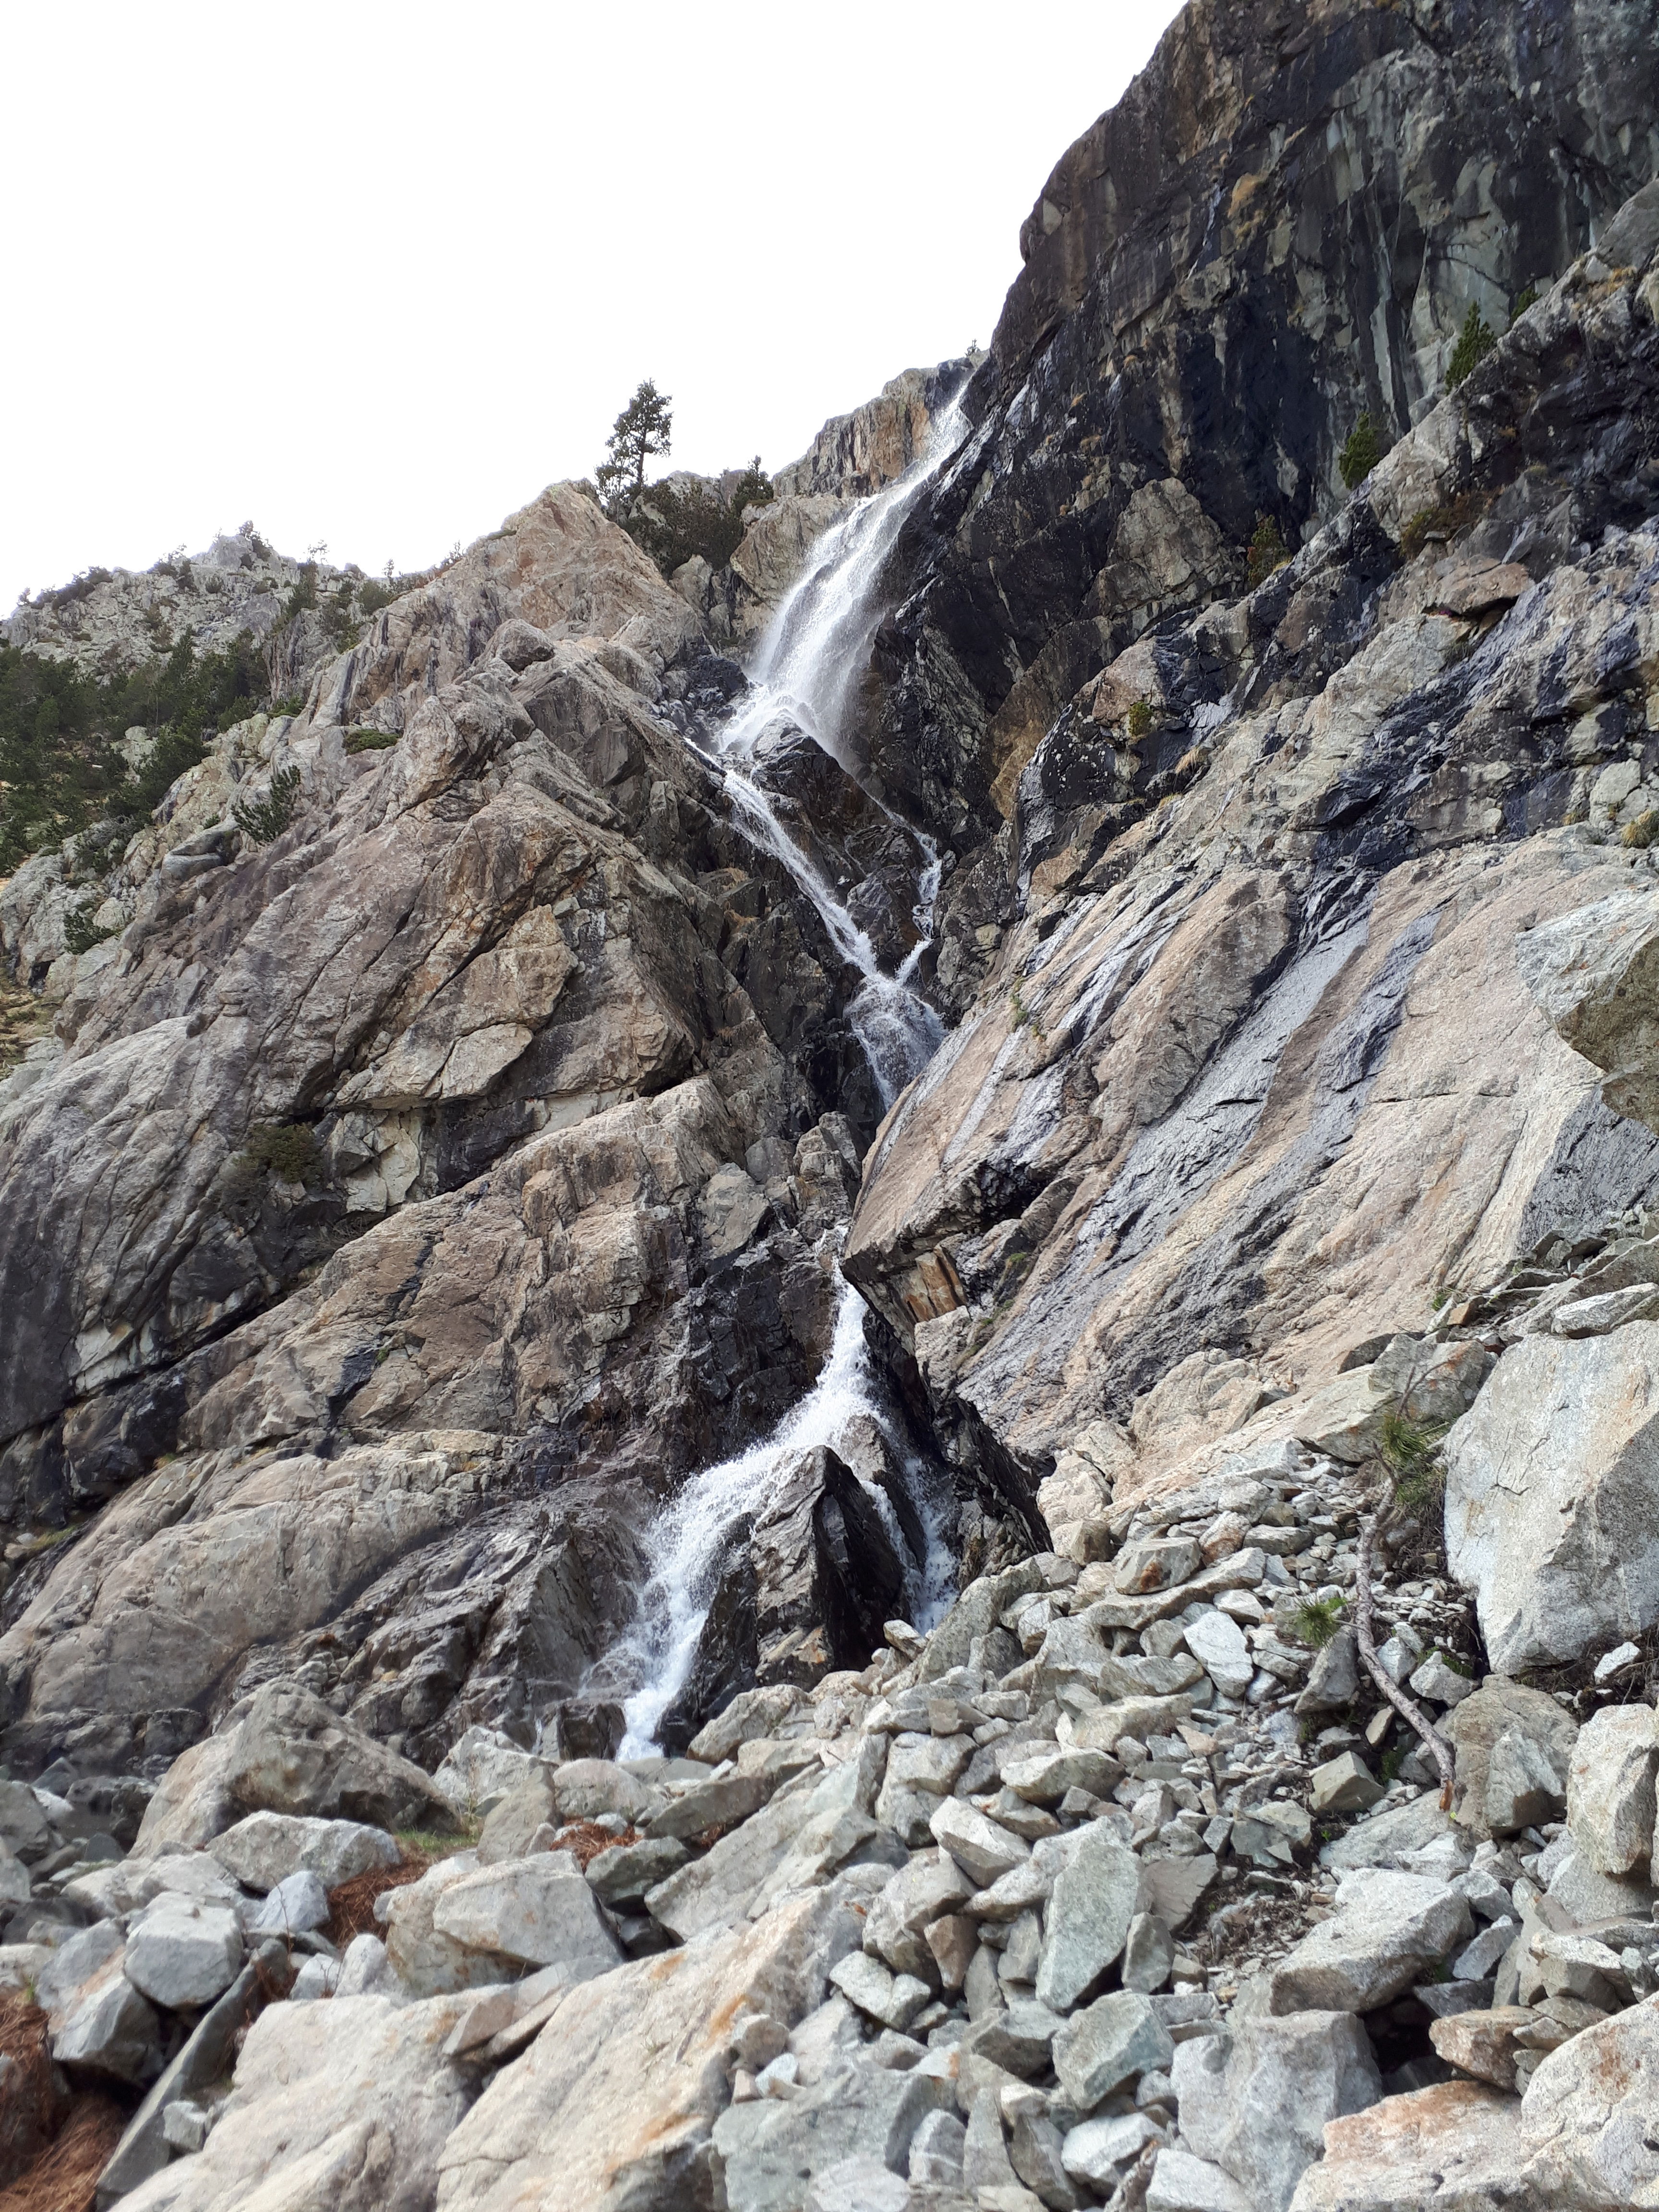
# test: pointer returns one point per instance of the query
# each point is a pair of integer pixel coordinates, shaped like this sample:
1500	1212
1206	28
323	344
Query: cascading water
802	672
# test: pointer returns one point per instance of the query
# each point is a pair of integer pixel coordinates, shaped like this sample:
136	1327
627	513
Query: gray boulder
1587	2115
515	1817
345	2106
1096	1897
98	2022
1610	1788
184	1954
1513	1747
1552	1496
1256	2102
298	1904
23	1824
539	1910
265	1847
1116	2039
1386	1930
287	1752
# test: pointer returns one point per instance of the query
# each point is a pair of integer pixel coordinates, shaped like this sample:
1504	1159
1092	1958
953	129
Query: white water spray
802	672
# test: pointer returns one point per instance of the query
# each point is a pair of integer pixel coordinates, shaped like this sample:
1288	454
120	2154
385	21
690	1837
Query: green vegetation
1475	341
260	820
1314	1623
366	740
1442	521
1361	454
1643	832
1530	298
81	932
640	433
289	1152
59	768
1268	550
1139	722
1411	1454
673	523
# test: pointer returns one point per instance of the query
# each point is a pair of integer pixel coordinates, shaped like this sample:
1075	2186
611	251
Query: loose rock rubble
1121	1887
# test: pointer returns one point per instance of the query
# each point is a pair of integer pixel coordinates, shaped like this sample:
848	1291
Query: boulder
1552	1496
805	1831
482	1765
626	1871
1095	1899
1513	1747
183	1954
1334	1678
24	1826
1482	2043
1099	2151
751	1713
1386	1838
262	1850
298	1904
854	2112
1256	2102
99	2022
919	1895
285	1751
980	1846
1587	2115
1043	1776
1386	1930
538	1910
892	2000
1116	2039
428	1962
1181	2183
1217	1641
616	2101
208	2056
584	1787
1450	2148
1344	1784
515	1817
1610	1788
336	2107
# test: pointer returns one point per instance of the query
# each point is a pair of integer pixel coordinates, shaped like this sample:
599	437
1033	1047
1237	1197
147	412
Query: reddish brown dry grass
585	1839
65	2178
352	1904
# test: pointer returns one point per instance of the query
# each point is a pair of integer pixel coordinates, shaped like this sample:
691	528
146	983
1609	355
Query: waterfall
801	674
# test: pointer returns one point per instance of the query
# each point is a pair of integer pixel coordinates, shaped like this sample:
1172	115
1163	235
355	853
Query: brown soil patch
65	2178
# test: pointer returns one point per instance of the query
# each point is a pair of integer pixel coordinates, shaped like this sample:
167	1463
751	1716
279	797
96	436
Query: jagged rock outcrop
1262	1069
1279	228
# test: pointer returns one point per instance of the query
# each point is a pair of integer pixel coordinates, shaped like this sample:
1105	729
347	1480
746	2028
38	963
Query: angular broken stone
1155	1563
1257	2100
538	1910
893	1999
182	1953
1116	2039
1482	2043
1148	1954
1513	1746
1344	1784
981	1847
264	1847
1096	1897
1610	1788
1386	1930
1334	1678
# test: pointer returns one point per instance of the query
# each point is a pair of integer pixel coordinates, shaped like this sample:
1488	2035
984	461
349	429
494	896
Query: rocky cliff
1031	1231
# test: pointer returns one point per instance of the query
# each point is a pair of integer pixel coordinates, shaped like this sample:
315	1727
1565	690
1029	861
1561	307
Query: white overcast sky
373	274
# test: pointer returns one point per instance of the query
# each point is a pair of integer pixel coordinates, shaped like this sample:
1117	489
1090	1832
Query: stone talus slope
1093	1896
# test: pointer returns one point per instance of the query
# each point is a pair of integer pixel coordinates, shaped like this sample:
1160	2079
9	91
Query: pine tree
641	431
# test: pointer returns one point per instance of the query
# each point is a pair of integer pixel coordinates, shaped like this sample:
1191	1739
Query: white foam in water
803	671
687	1544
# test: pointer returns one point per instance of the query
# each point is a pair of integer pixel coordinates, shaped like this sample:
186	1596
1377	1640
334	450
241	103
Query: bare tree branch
1407	1708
